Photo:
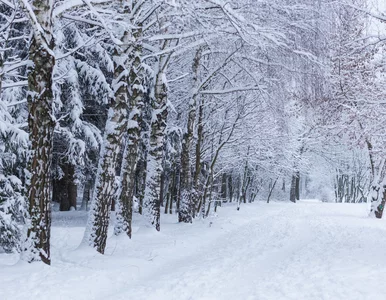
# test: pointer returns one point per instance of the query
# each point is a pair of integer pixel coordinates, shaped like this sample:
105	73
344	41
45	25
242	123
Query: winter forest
119	114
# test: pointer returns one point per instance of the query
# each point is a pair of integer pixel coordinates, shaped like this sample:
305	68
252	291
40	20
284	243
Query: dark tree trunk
65	189
41	128
230	188
379	211
141	177
271	189
166	207
86	193
162	190
293	189
224	187
243	193
297	186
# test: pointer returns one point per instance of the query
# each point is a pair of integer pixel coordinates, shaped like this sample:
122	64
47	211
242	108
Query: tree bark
64	189
377	194
224	187
156	146
185	212
197	170
271	189
293	189
243	194
130	156
141	175
86	193
297	186
41	127
105	189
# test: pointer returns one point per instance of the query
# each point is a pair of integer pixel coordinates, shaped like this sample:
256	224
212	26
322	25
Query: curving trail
303	251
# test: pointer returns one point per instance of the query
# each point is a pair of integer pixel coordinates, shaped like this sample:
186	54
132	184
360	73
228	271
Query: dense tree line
162	106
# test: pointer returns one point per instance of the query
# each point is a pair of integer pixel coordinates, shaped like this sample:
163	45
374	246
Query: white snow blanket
307	250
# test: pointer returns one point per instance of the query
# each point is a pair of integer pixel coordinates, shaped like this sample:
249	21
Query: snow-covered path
275	251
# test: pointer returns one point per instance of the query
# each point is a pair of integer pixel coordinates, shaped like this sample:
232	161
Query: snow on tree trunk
200	134
141	172
185	211
377	195
105	189
41	128
156	147
1	71
130	156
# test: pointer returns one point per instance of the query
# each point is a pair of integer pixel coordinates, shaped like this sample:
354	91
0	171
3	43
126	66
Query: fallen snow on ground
307	250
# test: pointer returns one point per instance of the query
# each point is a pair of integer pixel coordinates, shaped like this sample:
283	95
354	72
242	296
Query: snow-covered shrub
12	212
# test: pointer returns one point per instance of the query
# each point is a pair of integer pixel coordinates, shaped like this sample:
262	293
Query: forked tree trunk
271	189
209	180
41	128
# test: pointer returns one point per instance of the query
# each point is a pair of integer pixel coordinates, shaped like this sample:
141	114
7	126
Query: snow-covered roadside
275	251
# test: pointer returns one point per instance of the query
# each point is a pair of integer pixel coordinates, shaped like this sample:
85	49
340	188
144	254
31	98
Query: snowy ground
307	250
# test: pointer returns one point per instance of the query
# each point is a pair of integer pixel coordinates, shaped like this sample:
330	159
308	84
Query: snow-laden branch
7	85
83	20
72	51
102	21
72	4
37	27
6	2
380	17
14	66
230	91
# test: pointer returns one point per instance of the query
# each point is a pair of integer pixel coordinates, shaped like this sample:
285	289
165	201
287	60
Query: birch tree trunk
105	188
141	172
1	71
185	212
156	145
197	171
41	127
130	156
377	195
